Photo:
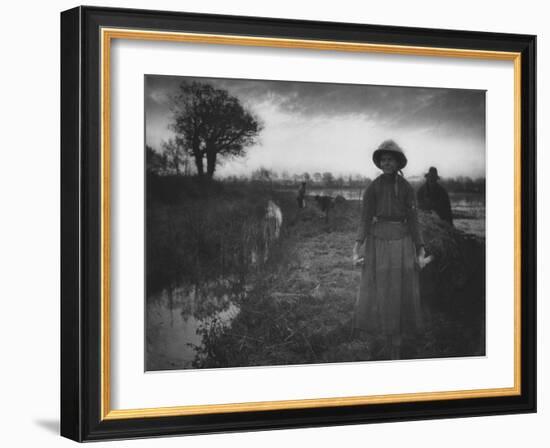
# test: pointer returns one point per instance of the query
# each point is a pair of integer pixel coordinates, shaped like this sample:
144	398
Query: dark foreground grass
300	310
201	232
296	299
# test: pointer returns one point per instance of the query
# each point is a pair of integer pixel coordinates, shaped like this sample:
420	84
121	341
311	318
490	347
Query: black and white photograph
273	224
294	223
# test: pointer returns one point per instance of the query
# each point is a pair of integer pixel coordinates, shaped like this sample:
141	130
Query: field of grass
297	306
300	311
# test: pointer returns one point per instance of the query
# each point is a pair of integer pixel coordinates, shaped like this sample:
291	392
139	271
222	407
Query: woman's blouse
389	198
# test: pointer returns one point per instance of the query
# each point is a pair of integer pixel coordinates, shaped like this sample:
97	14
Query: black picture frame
82	396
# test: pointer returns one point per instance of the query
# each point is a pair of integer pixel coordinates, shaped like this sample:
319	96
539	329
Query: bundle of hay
455	280
339	200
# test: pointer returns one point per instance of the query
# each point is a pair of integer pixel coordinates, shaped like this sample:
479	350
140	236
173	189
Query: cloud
444	126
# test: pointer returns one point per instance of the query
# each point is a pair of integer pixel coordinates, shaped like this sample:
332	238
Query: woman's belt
389	219
389	229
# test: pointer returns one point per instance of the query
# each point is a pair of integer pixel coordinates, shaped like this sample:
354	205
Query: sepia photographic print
302	223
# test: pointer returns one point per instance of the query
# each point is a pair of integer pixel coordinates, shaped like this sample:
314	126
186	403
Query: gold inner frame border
107	35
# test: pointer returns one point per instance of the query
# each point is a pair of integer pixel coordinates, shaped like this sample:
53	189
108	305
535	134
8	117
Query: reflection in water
350	194
469	212
173	320
176	316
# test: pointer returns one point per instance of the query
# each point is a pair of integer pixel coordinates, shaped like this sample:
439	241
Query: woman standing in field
388	301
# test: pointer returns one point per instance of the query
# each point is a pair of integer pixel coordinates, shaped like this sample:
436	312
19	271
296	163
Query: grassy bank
296	305
200	232
301	311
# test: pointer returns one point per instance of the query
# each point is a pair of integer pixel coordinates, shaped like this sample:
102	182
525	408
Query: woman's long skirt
388	301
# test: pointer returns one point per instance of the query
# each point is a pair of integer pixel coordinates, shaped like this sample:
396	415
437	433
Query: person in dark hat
301	197
388	301
432	196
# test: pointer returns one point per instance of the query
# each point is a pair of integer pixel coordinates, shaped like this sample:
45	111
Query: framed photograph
273	224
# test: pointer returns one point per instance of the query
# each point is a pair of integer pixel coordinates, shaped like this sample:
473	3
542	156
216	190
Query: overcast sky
318	127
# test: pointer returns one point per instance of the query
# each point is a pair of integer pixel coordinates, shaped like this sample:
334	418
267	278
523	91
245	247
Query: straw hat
389	146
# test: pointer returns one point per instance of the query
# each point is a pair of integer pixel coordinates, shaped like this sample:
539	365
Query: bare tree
177	159
328	179
263	175
155	162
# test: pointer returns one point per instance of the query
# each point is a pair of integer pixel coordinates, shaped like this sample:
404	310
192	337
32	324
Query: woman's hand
421	258
356	258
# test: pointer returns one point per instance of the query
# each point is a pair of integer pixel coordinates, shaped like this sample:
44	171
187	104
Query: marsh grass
204	232
300	311
295	306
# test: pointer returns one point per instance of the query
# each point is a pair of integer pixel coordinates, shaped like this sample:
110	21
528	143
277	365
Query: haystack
455	280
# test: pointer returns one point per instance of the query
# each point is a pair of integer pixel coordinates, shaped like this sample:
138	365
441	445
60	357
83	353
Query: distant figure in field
325	204
432	196
301	198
